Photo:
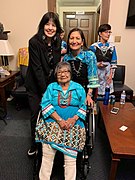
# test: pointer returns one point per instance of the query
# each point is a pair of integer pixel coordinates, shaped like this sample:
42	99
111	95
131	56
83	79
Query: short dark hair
103	28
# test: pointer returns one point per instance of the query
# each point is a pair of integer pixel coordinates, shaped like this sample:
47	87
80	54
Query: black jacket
39	68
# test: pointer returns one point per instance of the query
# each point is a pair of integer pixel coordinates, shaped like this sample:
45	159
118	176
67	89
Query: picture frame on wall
130	21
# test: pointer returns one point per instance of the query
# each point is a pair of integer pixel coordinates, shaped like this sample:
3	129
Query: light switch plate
117	38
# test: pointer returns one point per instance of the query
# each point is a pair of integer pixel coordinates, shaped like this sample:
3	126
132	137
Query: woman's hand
63	124
100	65
70	122
63	51
89	101
109	79
59	120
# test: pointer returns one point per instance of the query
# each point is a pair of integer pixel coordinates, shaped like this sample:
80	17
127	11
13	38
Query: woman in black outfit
44	54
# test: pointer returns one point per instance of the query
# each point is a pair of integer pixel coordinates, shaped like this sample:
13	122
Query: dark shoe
32	151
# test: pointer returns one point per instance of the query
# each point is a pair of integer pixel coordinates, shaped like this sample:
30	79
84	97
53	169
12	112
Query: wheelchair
83	165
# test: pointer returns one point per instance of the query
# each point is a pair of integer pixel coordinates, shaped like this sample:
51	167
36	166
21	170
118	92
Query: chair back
119	76
23	71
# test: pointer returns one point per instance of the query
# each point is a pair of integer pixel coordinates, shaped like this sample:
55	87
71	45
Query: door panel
82	21
73	23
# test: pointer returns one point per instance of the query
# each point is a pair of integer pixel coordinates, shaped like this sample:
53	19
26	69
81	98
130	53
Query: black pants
34	103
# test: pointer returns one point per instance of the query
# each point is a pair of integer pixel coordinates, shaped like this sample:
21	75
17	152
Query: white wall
22	19
125	48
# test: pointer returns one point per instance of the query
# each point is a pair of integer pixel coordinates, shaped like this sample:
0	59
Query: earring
43	37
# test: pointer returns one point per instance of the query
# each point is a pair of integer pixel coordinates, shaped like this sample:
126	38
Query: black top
79	72
103	56
40	69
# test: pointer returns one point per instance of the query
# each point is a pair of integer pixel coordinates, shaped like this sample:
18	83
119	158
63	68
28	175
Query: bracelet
76	118
90	94
59	120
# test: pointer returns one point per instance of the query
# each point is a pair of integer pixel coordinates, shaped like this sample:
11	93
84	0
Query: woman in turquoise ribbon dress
62	124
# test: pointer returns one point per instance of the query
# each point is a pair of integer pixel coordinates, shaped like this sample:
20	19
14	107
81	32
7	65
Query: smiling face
75	41
50	29
63	75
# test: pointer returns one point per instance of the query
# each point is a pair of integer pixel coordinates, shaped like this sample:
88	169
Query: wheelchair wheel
85	170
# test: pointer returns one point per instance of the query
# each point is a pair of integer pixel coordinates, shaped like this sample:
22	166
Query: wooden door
86	22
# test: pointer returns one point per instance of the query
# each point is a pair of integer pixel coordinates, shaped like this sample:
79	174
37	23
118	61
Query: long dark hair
46	17
82	36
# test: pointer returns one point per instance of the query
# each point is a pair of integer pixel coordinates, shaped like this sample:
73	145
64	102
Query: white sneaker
32	151
10	98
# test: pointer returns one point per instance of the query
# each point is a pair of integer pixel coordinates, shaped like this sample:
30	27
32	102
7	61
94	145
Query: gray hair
61	65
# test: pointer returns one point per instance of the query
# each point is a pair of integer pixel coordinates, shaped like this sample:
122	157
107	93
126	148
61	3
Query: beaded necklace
104	50
64	99
50	54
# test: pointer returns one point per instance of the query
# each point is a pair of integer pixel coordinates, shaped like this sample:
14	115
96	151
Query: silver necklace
104	50
74	68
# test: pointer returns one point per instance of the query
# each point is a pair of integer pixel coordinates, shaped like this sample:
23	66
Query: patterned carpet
16	165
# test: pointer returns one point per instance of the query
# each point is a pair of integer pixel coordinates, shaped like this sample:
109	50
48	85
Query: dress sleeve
114	57
65	58
46	102
92	70
35	63
92	48
82	106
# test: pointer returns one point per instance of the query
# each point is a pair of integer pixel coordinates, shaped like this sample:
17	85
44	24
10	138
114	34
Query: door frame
104	14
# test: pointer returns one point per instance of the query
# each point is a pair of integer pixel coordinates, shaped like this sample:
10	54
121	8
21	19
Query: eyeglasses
59	73
108	32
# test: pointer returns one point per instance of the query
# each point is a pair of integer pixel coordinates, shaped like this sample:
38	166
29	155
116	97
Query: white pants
48	154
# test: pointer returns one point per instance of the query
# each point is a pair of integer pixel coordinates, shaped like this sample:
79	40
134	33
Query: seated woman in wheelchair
61	126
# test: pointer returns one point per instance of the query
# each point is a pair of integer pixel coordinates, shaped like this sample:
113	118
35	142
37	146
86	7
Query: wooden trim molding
52	5
104	13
